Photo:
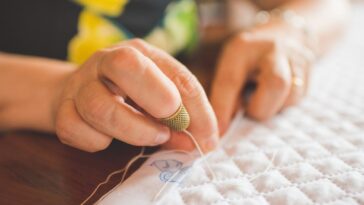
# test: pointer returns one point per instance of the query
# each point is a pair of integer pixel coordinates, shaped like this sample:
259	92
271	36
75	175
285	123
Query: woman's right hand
91	109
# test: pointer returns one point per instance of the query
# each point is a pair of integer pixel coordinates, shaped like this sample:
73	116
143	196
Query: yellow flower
94	33
106	7
179	28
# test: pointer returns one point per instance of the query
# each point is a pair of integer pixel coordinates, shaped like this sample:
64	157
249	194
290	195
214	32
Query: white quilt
309	154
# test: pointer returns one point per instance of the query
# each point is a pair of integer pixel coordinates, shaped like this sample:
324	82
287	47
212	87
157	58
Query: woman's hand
92	109
275	58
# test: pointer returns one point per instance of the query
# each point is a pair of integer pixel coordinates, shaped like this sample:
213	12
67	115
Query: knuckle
259	113
142	46
230	80
279	81
63	130
188	84
127	60
99	53
138	43
259	116
97	109
98	145
125	55
239	41
274	44
96	56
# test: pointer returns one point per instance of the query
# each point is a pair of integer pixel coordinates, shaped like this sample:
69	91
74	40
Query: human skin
273	55
87	106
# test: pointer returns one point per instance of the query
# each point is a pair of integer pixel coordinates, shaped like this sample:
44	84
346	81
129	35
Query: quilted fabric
310	154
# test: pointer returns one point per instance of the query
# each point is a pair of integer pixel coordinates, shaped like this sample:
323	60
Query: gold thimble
179	121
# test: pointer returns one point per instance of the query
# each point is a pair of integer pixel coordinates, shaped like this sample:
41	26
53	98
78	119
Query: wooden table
37	169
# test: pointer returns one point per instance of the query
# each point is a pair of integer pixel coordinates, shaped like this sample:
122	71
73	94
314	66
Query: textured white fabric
314	152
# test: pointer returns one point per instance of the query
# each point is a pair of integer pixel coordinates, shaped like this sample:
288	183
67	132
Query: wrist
48	96
29	87
285	24
277	28
55	91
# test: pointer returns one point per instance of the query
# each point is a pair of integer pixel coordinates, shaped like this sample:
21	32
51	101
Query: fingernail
162	136
210	145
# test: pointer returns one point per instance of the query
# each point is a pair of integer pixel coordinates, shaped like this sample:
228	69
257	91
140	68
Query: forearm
325	19
28	88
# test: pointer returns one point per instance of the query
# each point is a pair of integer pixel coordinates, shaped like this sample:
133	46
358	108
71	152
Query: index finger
203	121
141	80
229	79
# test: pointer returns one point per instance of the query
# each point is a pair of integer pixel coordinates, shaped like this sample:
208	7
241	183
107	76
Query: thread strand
142	155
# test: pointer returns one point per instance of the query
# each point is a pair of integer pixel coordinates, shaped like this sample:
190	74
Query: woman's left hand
276	58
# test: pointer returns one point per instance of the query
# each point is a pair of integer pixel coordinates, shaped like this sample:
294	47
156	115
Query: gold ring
179	121
297	82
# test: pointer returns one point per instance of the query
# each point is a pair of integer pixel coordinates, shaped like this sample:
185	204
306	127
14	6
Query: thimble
179	121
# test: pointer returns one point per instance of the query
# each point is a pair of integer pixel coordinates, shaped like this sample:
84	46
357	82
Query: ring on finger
297	82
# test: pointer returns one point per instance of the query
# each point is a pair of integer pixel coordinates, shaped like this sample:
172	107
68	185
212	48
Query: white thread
164	186
101	184
203	157
131	162
267	168
142	155
126	168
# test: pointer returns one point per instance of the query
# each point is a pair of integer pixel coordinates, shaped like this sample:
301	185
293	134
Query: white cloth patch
317	149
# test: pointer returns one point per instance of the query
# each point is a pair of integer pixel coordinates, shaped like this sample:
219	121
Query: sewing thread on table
142	155
125	170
